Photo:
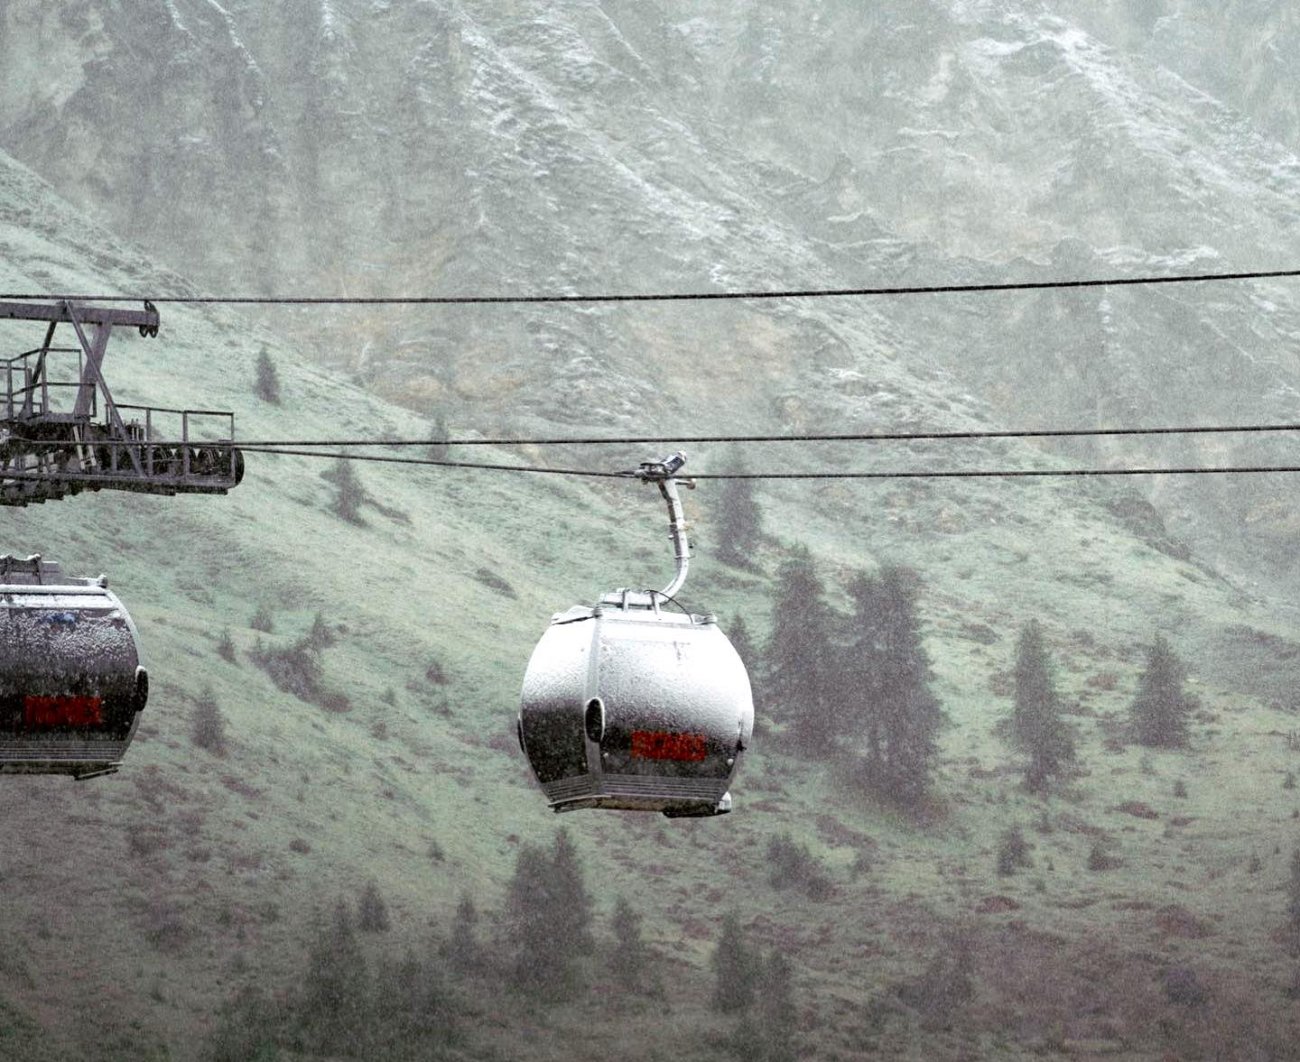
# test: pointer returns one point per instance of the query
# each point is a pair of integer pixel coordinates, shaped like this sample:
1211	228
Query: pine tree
438	448
348	492
413	1013
799	679
1161	709
769	1036
463	948
208	727
739	521
571	917
372	911
267	383
1036	722
736	968
743	642
548	910
538	965
885	679
336	989
630	961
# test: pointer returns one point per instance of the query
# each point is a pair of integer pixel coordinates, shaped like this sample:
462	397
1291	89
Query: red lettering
62	710
657	745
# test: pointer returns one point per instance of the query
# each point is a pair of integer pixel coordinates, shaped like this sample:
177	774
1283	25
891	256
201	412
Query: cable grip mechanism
663	474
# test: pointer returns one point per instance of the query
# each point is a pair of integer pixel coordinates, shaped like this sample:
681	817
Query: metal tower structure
61	432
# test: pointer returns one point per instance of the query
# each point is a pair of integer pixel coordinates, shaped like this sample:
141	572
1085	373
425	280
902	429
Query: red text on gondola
62	710
657	745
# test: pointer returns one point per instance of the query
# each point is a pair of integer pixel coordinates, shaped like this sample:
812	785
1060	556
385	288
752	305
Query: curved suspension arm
662	474
677	532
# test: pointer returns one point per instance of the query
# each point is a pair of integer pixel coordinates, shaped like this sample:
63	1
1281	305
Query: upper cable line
826	437
684	296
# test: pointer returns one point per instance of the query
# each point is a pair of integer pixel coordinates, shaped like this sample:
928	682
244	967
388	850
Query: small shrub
492	581
1183	987
1289	781
1099	859
793	866
226	647
372	911
263	620
942	992
320	636
1013	852
246	1028
1180	789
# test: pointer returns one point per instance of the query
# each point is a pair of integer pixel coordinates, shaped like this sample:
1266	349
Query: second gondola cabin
71	684
635	704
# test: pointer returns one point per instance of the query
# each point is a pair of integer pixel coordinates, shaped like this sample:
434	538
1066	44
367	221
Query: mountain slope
381	146
158	892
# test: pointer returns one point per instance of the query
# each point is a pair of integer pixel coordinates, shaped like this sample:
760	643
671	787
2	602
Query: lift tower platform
61	432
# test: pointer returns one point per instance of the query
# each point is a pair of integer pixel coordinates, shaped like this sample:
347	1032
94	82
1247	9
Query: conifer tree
571	916
336	989
348	491
208	726
539	966
743	642
1161	709
438	448
413	1013
770	1035
799	680
463	948
739	521
267	383
372	911
629	963
1036	721
885	679
736	968
548	910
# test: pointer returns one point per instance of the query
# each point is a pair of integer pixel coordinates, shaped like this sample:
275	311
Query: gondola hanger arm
663	474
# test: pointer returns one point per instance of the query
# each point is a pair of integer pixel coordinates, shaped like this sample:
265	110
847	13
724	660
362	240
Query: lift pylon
61	432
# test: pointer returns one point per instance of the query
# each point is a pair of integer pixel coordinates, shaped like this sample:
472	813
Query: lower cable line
976	473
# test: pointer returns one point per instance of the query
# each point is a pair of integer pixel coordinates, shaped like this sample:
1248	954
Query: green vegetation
738	519
266	385
796	675
187	892
1162	707
885	687
1036	722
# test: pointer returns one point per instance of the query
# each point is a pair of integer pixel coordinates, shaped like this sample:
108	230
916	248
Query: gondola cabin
634	704
634	707
71	684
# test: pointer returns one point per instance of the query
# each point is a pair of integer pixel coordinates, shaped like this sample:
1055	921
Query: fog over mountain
435	147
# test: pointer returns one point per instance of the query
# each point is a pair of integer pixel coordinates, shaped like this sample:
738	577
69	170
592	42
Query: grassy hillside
136	906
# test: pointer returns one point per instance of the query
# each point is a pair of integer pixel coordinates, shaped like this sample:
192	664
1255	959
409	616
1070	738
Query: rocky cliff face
387	146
